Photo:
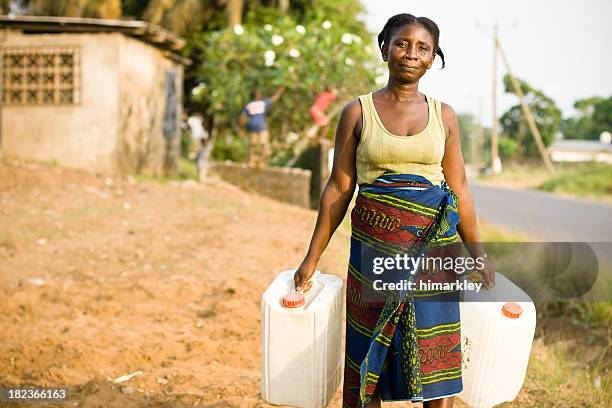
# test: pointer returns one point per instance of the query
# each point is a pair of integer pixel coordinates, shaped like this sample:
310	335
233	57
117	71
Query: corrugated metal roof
142	30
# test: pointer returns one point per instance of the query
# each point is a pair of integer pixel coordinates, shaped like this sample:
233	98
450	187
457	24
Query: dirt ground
102	277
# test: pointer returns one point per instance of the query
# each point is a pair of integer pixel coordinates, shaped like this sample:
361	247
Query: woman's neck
402	92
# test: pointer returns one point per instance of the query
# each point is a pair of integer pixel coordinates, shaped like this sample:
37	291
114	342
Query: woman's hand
302	276
486	275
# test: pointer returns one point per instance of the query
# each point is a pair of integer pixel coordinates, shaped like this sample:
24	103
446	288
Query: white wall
82	135
142	146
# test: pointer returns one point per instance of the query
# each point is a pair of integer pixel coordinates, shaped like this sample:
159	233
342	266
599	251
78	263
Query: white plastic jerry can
301	359
496	339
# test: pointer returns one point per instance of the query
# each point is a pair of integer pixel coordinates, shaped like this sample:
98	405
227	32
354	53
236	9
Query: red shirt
324	99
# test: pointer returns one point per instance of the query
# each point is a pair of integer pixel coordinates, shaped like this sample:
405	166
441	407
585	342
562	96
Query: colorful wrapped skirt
406	344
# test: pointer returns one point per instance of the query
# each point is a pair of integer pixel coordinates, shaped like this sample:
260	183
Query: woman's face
410	53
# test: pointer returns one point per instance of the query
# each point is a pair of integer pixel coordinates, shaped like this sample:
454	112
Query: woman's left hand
488	273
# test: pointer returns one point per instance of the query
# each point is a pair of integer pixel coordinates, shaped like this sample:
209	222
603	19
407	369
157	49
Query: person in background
322	145
317	110
253	118
200	135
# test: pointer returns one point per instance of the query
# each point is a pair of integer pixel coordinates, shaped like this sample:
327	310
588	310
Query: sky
561	47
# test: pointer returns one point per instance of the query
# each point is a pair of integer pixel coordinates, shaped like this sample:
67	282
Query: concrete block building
101	95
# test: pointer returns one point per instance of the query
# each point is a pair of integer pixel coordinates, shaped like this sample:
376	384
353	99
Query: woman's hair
401	20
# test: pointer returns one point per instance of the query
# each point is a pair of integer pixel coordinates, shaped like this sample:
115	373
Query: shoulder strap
367	119
366	109
437	105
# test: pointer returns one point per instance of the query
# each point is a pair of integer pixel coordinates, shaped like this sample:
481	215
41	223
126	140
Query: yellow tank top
380	150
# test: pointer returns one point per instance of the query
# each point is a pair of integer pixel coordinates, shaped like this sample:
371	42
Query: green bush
229	147
508	148
271	49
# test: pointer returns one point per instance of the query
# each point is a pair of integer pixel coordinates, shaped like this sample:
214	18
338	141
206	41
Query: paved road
544	216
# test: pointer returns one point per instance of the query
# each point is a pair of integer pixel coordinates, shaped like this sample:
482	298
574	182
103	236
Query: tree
234	11
272	49
70	8
186	16
180	16
5	6
595	117
189	16
134	8
545	112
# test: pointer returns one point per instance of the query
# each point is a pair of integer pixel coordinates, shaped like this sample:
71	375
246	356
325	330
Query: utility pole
495	160
496	164
480	139
528	115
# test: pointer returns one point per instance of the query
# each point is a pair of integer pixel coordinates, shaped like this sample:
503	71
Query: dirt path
103	277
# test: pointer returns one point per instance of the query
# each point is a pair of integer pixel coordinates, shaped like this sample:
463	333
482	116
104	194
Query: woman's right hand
302	276
336	195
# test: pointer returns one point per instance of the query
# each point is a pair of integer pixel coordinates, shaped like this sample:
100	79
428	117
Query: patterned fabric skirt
408	346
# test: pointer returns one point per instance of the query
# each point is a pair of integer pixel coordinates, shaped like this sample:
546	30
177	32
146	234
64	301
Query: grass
187	170
492	233
519	174
556	378
589	180
587	313
570	362
593	180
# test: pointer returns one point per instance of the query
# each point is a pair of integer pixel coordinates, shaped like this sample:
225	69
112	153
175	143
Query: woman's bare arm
337	194
453	168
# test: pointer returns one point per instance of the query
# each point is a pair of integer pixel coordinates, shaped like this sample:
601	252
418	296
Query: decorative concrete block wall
290	185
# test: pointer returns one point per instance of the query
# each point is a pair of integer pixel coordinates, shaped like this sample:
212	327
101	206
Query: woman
403	150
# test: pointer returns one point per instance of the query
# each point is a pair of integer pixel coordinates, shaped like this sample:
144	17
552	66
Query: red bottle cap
512	310
294	299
